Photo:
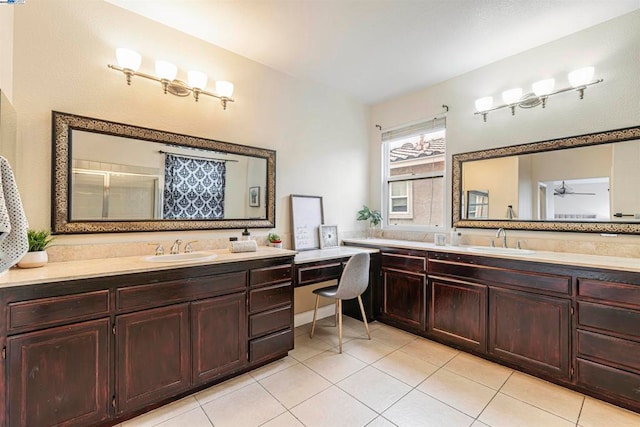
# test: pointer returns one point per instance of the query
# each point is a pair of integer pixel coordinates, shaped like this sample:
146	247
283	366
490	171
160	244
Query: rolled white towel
243	246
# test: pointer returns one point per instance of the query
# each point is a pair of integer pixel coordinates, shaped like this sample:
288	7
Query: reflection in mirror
584	183
126	178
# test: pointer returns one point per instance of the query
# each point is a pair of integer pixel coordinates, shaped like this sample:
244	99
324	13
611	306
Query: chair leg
340	323
335	318
364	317
315	314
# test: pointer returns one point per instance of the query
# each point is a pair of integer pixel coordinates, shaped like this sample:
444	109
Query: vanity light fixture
129	62
579	80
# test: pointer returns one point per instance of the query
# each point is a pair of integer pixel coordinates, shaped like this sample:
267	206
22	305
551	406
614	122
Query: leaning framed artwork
254	197
306	218
328	236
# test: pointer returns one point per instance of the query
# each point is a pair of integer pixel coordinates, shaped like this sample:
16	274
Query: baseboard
307	316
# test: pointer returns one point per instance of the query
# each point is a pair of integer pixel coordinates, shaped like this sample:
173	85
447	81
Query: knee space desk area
320	265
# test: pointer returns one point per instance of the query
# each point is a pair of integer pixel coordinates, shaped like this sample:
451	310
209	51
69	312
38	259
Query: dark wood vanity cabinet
98	351
59	376
404	289
608	336
458	312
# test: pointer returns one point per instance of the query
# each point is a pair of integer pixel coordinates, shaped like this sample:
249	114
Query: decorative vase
371	232
34	259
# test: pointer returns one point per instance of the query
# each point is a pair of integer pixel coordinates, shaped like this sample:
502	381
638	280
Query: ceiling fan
565	190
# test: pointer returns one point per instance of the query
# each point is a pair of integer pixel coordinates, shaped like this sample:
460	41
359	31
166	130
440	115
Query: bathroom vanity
571	319
95	342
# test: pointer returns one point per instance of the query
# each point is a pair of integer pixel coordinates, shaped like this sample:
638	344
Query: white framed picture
328	236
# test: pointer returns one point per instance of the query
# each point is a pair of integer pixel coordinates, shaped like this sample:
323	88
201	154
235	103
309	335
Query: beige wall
6	51
612	47
62	50
497	176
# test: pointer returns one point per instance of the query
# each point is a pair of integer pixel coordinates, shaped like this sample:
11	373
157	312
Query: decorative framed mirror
586	183
115	177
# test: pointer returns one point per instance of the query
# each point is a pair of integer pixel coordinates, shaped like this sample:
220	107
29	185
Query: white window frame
431	125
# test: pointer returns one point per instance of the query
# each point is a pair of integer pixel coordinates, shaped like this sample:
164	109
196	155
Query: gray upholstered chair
354	281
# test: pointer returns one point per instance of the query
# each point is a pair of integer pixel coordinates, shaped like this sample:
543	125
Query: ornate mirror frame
61	223
606	137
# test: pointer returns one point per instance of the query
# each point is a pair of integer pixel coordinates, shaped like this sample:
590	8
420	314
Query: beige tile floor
396	379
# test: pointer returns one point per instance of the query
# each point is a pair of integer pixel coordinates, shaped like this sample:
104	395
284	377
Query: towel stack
13	222
243	246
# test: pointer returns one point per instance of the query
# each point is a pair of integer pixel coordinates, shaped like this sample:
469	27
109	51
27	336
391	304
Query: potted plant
274	240
37	254
374	217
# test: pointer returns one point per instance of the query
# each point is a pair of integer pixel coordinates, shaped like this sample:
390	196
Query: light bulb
166	70
512	96
224	89
581	76
197	79
129	59
484	104
543	87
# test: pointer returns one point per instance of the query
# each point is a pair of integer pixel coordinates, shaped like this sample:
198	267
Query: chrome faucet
175	248
504	236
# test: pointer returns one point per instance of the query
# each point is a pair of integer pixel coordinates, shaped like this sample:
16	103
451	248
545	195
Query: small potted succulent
274	240
37	254
374	217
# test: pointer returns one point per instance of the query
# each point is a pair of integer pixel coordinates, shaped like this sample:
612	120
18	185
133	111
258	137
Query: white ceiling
376	49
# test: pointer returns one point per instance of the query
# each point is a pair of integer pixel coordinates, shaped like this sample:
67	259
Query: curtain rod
441	115
196	157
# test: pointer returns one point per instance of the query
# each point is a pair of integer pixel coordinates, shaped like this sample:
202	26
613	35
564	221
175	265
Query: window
414	166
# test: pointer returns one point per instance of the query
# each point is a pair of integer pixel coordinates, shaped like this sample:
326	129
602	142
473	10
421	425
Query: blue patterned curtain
193	188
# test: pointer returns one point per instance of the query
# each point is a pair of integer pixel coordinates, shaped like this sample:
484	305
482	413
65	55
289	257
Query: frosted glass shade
543	87
166	70
512	96
197	79
129	59
581	76
484	104
224	89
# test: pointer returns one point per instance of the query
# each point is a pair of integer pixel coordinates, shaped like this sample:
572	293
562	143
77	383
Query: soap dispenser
246	235
455	237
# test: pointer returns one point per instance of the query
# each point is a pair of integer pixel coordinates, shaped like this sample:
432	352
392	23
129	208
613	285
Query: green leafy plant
38	240
273	238
374	216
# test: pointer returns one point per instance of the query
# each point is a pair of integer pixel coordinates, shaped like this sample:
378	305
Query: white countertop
562	258
72	270
313	255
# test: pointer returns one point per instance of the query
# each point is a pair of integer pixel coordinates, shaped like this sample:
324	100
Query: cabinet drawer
270	346
56	310
270	321
608	318
497	275
270	275
164	293
272	296
404	262
610	291
610	380
319	273
617	351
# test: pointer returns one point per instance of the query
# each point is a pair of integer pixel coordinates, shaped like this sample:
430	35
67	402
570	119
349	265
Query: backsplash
622	245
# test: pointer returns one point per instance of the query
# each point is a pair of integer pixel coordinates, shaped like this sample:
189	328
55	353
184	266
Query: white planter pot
33	259
277	245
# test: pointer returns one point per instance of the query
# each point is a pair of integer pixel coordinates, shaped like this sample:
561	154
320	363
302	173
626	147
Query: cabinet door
459	312
404	297
59	376
152	355
219	336
530	330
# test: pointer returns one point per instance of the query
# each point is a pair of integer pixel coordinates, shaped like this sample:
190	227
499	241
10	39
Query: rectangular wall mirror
586	183
114	177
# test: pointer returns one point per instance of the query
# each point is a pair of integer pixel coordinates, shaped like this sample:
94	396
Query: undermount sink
186	257
500	251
